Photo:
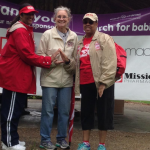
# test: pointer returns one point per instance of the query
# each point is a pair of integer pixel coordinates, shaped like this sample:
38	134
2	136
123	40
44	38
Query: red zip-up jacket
18	58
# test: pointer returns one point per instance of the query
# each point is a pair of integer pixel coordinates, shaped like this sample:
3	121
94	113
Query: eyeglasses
88	21
64	17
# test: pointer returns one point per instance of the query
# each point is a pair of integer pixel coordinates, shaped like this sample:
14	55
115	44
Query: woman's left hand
64	57
101	90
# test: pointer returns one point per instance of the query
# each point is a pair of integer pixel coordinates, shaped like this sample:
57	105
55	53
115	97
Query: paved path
136	118
132	130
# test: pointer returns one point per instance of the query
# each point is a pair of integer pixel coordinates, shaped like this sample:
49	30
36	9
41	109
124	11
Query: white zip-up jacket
58	75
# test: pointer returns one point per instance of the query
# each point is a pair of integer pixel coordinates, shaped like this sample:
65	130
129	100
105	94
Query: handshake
65	59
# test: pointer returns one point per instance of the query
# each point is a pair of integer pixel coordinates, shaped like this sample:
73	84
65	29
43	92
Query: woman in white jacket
58	80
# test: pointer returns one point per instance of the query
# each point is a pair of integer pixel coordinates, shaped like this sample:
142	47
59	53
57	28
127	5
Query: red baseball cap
27	9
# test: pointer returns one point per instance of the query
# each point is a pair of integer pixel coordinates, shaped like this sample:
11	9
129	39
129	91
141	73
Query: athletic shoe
20	142
62	144
15	147
101	147
48	145
83	146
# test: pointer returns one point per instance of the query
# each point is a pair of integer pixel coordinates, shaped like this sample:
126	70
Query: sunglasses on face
88	21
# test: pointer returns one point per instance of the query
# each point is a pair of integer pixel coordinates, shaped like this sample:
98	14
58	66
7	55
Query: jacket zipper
78	63
62	68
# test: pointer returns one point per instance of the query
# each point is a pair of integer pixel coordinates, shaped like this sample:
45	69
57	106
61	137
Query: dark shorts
105	107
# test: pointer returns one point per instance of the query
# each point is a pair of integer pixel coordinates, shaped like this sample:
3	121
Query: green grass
34	97
138	101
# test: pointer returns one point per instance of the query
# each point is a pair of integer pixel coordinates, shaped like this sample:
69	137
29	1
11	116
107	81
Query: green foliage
34	97
138	101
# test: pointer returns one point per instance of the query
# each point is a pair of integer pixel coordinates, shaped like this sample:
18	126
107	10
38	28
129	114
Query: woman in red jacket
17	74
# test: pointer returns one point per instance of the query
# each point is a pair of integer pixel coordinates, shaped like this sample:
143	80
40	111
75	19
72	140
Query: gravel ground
116	140
132	130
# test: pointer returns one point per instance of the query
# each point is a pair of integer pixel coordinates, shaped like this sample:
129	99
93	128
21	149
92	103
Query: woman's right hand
54	55
101	89
56	62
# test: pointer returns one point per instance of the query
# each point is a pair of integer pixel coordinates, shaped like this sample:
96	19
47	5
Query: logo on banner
138	51
123	17
2	21
120	80
136	78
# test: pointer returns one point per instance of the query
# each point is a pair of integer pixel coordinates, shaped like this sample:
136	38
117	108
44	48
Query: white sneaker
15	147
20	142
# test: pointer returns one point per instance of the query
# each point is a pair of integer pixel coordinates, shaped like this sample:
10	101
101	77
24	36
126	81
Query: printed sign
129	29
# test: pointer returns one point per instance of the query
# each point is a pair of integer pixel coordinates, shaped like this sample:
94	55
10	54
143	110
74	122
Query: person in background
96	68
17	74
58	80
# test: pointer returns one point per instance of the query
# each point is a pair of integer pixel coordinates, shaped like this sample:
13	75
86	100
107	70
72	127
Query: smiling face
89	26
62	19
27	18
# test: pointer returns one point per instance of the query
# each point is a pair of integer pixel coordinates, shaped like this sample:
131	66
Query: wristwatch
67	62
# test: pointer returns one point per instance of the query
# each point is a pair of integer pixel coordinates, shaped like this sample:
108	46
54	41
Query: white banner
135	83
130	30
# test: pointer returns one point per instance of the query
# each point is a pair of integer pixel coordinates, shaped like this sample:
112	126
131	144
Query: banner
131	30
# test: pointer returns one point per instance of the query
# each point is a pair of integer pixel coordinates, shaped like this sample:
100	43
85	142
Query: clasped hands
65	59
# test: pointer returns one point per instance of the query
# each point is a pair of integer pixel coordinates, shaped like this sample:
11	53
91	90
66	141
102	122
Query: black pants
105	107
13	104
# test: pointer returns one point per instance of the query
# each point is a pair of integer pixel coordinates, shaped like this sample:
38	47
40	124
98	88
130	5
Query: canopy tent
84	6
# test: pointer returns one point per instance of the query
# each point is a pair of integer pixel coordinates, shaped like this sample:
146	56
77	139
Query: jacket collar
57	36
29	28
93	39
17	25
95	35
20	24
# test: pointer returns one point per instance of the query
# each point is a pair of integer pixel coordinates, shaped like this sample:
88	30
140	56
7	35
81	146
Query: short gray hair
68	11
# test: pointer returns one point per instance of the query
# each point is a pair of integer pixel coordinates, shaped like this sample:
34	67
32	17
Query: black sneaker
48	145
62	144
